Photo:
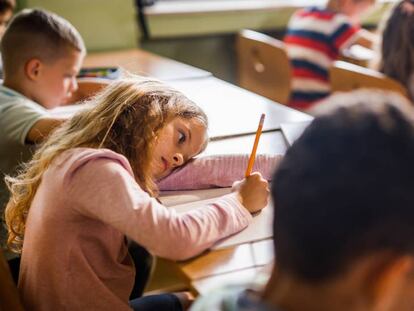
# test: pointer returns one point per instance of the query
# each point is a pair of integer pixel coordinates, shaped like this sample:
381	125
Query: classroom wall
103	24
202	40
208	40
214	53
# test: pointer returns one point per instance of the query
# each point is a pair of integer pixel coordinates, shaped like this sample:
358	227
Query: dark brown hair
344	189
397	48
7	5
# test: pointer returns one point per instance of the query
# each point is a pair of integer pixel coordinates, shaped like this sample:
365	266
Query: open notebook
259	229
171	198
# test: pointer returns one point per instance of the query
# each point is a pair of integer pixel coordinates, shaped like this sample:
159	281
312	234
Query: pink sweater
75	256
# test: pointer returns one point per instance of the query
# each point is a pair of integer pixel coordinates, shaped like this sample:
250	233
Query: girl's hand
253	192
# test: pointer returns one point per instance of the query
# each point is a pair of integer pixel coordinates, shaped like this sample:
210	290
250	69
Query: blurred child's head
354	9
397	48
344	200
42	54
6	12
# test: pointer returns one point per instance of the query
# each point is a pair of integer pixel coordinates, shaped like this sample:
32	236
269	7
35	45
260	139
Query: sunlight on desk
263	252
359	55
233	110
145	63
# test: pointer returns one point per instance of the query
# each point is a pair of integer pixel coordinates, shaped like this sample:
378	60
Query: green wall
103	24
204	40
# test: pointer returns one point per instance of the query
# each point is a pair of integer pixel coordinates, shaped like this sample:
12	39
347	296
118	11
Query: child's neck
333	5
16	85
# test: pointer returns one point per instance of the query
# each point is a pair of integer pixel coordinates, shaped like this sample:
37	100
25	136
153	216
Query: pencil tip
262	117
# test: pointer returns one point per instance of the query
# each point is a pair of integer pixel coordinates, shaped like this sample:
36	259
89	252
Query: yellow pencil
256	142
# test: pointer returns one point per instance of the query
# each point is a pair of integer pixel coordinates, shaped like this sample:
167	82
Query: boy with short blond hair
42	54
315	38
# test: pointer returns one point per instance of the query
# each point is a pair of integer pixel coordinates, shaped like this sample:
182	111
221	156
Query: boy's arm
42	128
366	38
87	87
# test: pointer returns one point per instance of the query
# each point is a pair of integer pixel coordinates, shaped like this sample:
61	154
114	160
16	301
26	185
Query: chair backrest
347	77
9	296
263	66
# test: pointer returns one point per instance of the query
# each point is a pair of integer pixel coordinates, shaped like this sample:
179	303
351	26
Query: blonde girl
92	184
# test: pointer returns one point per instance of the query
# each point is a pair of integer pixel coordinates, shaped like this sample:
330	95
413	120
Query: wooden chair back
263	66
347	77
9	296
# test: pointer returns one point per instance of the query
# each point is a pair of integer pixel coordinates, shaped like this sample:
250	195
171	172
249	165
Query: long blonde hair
125	117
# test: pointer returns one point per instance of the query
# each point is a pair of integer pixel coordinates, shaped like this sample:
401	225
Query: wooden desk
239	264
232	110
263	257
145	63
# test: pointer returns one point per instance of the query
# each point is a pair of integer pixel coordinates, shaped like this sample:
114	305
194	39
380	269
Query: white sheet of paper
170	198
360	52
259	229
293	130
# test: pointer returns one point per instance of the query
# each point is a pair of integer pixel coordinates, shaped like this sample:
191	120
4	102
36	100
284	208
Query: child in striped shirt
315	38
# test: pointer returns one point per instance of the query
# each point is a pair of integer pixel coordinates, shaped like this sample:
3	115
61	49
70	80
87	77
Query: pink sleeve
217	171
103	189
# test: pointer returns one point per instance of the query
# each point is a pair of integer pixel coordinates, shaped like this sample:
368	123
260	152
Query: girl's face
177	142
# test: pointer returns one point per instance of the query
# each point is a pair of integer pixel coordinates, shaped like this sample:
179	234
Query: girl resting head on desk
93	183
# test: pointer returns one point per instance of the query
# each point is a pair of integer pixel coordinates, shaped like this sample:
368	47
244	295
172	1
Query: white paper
293	130
259	229
170	198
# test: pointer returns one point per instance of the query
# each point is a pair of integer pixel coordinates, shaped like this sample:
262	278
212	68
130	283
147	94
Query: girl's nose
177	160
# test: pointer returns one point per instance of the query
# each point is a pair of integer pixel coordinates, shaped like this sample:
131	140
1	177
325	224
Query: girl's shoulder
73	159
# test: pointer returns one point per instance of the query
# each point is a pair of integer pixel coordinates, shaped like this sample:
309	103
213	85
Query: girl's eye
181	137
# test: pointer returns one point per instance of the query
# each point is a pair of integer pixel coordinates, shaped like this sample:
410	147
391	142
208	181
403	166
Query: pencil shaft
254	149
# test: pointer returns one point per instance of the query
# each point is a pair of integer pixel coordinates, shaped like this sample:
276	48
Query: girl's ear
389	278
33	69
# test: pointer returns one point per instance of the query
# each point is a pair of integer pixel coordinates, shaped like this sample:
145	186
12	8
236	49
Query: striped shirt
314	39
